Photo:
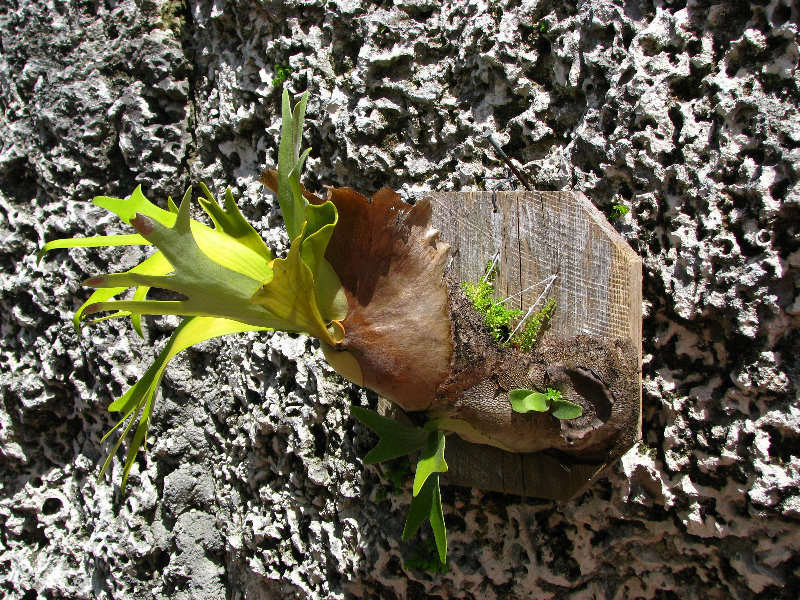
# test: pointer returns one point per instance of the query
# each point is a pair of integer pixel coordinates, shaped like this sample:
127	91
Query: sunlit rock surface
253	486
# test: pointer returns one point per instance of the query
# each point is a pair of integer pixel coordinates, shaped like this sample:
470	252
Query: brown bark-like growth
600	375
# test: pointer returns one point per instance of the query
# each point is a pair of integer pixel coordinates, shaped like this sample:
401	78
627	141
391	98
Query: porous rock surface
685	113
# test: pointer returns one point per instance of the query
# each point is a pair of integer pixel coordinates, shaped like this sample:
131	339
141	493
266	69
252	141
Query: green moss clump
498	317
282	73
495	314
426	558
527	337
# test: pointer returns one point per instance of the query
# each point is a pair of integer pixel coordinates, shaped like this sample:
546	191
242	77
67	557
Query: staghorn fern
228	278
354	277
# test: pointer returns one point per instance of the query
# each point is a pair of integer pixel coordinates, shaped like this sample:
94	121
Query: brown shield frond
391	263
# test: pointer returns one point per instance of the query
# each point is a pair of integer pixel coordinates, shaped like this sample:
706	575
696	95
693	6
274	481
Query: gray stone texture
252	487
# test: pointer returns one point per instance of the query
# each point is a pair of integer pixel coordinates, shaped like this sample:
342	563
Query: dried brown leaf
391	264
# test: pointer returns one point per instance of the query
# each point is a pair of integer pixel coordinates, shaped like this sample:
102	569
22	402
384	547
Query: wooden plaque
597	291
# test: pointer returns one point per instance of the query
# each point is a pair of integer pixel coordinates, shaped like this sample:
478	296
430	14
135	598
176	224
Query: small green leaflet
524	401
431	461
428	505
564	409
395	439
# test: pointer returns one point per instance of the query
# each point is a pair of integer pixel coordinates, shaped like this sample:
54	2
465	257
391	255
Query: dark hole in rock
781	14
784	444
778	191
725	246
51	506
625	191
320	440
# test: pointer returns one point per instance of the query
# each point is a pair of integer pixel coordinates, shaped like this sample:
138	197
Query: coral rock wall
685	113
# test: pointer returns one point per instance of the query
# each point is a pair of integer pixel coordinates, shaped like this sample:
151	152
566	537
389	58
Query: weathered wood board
597	291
